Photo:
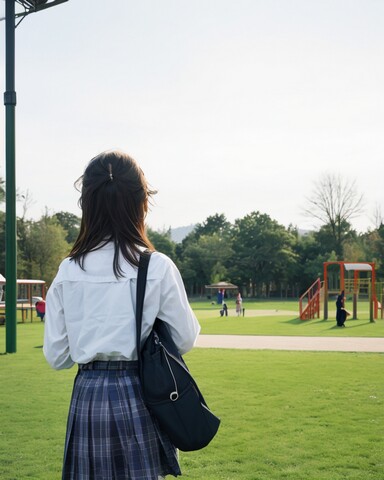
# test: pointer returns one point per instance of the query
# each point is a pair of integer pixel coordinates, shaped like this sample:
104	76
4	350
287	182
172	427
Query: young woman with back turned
90	321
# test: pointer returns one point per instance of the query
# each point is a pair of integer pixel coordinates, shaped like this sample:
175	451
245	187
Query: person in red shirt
40	309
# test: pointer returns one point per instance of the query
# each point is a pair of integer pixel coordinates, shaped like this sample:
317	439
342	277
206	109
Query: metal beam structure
30	6
10	182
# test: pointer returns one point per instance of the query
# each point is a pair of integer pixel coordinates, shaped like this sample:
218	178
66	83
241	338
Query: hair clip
110	171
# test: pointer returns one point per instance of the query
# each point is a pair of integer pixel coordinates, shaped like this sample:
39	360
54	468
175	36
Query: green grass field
281	318
285	415
291	415
278	317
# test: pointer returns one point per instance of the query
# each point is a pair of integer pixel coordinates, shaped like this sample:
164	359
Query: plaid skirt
110	433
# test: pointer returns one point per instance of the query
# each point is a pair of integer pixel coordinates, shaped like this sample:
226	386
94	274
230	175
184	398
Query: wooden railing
309	302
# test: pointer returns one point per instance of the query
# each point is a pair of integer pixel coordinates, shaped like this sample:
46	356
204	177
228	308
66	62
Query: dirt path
272	313
343	344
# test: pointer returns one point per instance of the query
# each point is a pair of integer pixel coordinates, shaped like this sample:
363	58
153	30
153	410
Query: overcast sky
228	106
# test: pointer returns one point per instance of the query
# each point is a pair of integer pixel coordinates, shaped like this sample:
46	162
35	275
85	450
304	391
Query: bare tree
378	217
335	201
26	199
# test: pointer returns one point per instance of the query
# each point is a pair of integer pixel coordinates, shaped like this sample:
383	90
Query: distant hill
302	232
179	233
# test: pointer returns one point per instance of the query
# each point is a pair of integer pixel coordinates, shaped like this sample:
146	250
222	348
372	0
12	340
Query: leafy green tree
263	252
163	243
23	228
309	262
204	261
354	251
70	223
214	224
43	247
329	242
378	251
2	190
191	268
373	246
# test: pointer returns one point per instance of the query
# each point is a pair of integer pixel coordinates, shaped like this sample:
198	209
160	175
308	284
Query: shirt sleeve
176	311
56	345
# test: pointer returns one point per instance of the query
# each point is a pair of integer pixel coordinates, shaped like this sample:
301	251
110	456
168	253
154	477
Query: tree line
255	252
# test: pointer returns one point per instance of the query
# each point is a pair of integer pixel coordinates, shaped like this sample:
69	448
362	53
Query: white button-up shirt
90	314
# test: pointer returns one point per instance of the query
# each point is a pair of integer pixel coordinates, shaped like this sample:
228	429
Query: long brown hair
114	200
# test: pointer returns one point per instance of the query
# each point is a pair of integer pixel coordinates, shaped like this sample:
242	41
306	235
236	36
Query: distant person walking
341	312
239	304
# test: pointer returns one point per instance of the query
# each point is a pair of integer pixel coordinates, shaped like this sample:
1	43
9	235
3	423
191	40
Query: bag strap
140	294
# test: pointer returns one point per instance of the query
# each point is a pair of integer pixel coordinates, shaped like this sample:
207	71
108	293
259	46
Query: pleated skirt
110	433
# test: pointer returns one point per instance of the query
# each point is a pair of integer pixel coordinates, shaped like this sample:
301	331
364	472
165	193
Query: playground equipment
28	293
309	302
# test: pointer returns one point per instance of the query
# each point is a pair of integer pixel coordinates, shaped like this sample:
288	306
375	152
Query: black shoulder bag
170	392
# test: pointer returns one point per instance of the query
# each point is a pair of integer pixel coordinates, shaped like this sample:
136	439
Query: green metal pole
10	181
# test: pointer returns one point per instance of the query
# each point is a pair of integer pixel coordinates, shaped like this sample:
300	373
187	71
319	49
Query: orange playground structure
319	291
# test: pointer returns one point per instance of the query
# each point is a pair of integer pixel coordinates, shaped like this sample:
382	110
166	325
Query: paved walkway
339	344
